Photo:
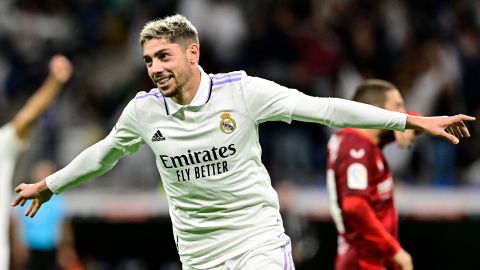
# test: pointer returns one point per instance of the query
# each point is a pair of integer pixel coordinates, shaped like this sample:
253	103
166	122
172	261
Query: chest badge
227	124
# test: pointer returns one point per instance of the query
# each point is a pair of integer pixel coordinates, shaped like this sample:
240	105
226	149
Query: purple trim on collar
221	76
157	95
229	80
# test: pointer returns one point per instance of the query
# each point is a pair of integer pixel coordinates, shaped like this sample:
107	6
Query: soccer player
203	130
360	187
14	134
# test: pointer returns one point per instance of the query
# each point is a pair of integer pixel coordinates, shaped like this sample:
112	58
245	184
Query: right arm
93	161
363	219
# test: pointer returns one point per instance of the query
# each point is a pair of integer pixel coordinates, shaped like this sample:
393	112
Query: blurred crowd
429	49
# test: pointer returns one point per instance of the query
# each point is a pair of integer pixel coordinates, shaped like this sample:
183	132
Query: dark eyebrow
156	53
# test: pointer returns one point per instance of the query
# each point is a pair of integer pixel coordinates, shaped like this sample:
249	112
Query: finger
467	118
458	131
450	137
17	200
35	209
449	130
464	129
454	131
30	208
23	202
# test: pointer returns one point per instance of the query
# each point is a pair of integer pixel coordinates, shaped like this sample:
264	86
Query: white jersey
221	201
10	146
208	154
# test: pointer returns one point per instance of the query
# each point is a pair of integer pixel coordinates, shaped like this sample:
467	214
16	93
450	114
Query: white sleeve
336	112
101	157
93	161
267	100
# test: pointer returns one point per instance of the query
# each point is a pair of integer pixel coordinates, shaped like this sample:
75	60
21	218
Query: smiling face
171	67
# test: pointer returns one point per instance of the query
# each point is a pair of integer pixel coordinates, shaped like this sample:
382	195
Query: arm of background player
93	161
364	220
60	70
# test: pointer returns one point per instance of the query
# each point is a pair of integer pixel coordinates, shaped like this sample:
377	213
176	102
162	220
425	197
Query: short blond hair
175	29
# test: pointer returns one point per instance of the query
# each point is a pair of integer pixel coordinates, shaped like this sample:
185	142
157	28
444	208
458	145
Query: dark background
432	244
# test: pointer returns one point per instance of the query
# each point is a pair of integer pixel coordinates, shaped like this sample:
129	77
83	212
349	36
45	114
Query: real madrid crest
227	124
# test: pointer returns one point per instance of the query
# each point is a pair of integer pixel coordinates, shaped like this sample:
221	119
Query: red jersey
358	172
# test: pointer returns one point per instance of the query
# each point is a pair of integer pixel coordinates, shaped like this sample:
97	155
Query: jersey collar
202	96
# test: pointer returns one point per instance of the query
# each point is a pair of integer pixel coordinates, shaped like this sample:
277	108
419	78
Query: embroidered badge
227	124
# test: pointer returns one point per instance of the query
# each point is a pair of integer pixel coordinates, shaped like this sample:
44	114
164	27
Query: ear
193	53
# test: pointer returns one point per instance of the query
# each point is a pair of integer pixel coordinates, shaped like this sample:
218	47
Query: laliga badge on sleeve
357	176
227	124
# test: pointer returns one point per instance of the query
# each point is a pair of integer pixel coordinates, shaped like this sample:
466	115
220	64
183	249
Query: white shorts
263	258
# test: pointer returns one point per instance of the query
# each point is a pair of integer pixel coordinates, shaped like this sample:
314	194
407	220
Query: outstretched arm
60	70
93	161
336	112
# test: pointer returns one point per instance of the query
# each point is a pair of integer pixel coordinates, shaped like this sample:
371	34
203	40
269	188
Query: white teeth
164	80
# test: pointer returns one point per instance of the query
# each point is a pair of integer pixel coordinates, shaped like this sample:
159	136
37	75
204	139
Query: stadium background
429	49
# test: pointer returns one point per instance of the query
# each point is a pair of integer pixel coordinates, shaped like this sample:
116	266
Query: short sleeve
267	100
125	136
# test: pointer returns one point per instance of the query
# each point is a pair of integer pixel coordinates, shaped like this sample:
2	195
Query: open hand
38	193
451	128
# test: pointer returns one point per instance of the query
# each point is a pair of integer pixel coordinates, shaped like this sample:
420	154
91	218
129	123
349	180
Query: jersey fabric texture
221	201
208	155
357	167
11	146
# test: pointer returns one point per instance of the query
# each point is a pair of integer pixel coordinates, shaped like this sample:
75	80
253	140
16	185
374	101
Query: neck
188	91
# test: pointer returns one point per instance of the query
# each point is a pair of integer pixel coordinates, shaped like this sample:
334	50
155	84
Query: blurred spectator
222	25
429	49
15	133
46	242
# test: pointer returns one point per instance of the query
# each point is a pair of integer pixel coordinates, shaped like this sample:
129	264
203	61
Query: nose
156	66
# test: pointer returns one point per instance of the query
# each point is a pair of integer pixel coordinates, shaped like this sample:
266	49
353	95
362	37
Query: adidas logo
157	137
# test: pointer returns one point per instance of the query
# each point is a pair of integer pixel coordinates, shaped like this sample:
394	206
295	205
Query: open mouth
161	82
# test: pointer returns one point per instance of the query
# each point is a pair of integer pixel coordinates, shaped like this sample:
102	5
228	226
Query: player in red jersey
360	187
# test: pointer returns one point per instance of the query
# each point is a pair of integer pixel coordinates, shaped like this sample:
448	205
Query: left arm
340	113
345	113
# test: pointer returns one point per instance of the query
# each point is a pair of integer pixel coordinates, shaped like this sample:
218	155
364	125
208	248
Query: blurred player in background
46	242
360	186
14	135
203	130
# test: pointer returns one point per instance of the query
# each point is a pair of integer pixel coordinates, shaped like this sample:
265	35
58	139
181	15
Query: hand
38	192
60	68
451	128
403	260
404	139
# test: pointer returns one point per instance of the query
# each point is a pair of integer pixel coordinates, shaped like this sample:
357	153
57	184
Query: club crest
227	124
